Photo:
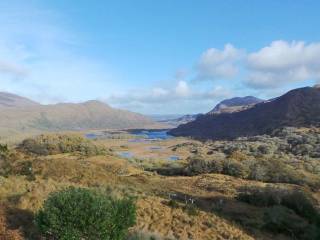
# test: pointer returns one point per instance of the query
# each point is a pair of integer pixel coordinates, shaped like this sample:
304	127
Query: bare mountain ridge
12	100
297	108
175	122
235	104
68	117
228	105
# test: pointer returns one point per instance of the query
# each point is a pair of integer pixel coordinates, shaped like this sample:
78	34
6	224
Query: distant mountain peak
96	103
297	108
235	104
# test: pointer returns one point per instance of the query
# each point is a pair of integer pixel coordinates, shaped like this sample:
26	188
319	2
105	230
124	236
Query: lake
151	134
140	134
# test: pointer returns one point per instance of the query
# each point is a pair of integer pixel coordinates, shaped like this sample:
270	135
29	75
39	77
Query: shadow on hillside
283	220
245	216
23	221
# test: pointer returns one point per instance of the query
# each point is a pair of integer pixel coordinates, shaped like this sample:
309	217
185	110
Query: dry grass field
203	206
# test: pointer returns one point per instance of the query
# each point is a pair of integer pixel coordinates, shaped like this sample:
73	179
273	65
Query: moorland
263	186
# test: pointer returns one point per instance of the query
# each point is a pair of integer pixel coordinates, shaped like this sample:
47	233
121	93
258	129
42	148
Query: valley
204	194
159	120
251	187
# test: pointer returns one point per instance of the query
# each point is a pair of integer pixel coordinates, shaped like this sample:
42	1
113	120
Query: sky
157	57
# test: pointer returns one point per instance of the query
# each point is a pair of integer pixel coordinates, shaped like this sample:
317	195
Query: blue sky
164	57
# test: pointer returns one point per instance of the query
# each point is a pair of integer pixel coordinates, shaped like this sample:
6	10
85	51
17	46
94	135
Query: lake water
155	148
126	154
143	136
91	135
151	134
173	158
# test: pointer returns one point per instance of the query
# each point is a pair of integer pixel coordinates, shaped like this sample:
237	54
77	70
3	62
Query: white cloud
215	63
181	74
179	98
159	92
274	66
282	63
42	59
12	69
182	89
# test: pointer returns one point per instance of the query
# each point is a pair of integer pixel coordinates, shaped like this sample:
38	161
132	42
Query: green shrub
274	170
198	165
7	157
303	204
173	203
279	219
191	209
4	150
55	144
77	213
25	168
262	197
299	201
234	168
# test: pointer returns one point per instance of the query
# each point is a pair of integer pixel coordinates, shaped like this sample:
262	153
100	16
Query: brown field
169	207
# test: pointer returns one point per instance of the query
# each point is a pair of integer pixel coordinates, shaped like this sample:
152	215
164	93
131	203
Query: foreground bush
55	144
299	201
77	213
291	212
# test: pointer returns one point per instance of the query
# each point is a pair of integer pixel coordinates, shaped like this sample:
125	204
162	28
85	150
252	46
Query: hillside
12	100
68	117
235	104
297	108
174	122
252	193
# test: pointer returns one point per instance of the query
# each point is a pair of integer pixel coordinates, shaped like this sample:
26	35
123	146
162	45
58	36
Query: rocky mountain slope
235	104
297	108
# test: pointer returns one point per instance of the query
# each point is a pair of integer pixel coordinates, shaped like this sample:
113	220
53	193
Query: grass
215	214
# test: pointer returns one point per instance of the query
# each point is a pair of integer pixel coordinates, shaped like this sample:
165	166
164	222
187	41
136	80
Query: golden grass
213	195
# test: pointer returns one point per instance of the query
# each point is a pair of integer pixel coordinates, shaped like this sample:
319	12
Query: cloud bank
272	66
283	62
42	59
215	63
177	98
271	70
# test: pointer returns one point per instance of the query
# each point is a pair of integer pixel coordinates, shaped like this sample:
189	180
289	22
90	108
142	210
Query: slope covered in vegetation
205	205
297	108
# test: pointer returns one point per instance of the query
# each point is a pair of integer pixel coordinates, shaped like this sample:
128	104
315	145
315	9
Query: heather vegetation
290	212
59	143
287	156
55	186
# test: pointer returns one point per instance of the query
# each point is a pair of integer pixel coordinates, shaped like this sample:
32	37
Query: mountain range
21	115
297	108
228	105
12	100
178	120
235	104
